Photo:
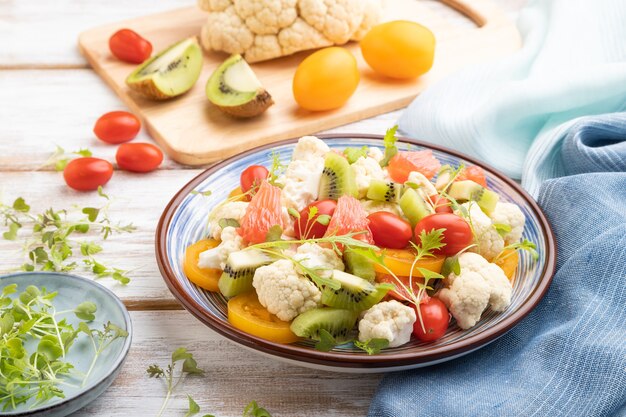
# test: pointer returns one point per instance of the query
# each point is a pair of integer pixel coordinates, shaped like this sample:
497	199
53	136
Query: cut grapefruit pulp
263	212
474	173
402	164
350	217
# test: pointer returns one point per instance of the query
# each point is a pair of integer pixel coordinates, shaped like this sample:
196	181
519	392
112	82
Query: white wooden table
49	96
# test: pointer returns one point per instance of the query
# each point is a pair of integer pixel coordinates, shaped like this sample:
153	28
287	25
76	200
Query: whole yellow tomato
399	49
326	79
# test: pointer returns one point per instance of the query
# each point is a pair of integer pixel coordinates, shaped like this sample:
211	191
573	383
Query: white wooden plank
234	376
43	33
138	199
44	108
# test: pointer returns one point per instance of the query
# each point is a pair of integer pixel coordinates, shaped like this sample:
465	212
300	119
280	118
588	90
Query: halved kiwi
235	89
469	190
380	190
355	294
338	178
170	73
335	321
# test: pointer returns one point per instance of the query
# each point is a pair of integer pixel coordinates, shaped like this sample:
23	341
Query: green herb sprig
391	149
60	158
55	241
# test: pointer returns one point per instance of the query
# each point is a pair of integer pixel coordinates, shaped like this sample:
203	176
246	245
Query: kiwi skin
261	102
339	323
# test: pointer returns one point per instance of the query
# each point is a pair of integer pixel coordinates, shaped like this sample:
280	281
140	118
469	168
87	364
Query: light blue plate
72	290
184	222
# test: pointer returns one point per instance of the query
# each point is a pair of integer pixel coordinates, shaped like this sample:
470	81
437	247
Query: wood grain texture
194	132
234	377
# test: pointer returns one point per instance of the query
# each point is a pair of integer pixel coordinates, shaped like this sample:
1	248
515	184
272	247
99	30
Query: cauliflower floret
511	215
231	210
366	170
216	257
375	153
371	206
466	298
266	29
315	257
488	242
283	291
302	177
500	287
426	188
389	320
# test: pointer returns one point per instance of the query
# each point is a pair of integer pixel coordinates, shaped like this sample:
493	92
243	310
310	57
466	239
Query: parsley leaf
326	342
274	234
502	229
390	145
451	265
194	408
253	410
372	346
224	223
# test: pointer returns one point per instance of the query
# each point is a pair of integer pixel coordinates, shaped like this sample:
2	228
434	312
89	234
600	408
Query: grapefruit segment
403	163
349	217
263	212
474	173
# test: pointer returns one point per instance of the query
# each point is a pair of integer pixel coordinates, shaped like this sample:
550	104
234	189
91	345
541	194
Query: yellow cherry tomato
246	313
508	262
206	278
400	261
326	79
236	192
399	49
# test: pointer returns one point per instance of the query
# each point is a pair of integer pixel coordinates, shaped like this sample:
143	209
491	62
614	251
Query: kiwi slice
414	207
338	178
239	271
235	89
468	190
380	190
355	294
335	321
359	265
170	73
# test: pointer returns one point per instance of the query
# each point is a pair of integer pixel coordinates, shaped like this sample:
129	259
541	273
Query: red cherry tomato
440	203
310	228
252	177
389	230
138	157
456	236
117	127
129	46
86	174
435	317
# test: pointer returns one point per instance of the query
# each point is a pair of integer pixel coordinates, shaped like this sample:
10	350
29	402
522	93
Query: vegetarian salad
364	245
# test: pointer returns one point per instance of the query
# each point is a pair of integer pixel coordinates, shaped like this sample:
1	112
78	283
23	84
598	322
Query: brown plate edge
349	360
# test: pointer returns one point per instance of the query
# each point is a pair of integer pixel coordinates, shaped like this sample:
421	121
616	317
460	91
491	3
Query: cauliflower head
426	188
231	210
283	291
266	29
216	257
388	320
365	170
511	215
488	241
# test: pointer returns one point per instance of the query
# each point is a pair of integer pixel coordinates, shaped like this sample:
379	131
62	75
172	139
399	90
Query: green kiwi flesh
170	73
338	178
235	89
355	294
359	265
468	190
414	207
339	323
239	271
384	191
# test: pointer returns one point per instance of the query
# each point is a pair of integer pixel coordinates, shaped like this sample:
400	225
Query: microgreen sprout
391	149
60	158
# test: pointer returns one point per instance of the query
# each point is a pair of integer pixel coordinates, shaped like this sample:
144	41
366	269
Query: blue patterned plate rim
113	368
332	359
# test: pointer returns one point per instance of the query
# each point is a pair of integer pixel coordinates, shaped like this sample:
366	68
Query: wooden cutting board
194	132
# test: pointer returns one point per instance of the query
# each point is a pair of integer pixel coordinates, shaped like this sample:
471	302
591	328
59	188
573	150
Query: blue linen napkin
568	356
572	64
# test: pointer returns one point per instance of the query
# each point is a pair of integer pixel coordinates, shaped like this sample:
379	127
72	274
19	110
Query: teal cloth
512	114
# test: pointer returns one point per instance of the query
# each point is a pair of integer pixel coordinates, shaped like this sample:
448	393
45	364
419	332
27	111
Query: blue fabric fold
568	356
